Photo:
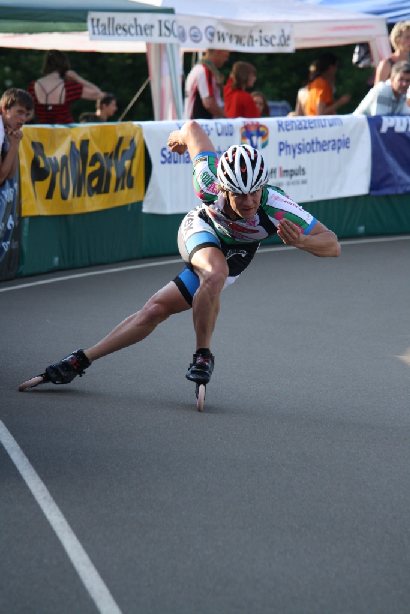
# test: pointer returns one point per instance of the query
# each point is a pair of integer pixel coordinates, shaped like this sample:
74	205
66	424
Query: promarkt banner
65	171
142	27
263	37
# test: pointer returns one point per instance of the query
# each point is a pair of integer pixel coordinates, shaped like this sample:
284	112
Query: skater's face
245	205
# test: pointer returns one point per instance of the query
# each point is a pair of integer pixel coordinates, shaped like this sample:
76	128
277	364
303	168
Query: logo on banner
397	124
255	134
195	34
266	36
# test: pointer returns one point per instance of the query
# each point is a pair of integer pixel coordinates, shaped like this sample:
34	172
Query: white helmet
242	170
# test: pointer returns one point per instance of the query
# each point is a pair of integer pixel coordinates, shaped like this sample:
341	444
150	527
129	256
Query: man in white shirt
388	97
203	86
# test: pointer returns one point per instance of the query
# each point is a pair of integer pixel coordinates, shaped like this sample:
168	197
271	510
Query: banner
77	170
315	158
132	27
309	158
9	230
390	138
170	188
262	37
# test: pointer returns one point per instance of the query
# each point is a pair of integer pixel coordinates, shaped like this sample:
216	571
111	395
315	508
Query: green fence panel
69	241
126	233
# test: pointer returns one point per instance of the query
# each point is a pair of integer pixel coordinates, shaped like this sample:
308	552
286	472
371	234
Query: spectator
238	101
58	88
106	107
320	99
388	97
88	117
203	87
400	40
16	107
261	103
302	94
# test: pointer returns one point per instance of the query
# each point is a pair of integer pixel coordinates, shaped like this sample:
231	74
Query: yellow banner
82	169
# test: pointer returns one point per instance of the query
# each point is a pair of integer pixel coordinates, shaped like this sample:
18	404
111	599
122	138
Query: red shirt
239	103
57	113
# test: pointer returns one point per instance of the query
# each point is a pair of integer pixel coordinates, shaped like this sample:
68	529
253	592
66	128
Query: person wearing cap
217	240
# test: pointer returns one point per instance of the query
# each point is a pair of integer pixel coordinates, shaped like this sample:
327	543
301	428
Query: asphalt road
289	494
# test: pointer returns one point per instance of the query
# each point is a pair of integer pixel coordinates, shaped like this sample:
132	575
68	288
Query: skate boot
64	371
200	370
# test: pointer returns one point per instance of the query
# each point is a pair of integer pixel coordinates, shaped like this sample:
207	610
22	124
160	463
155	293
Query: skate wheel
31	383
200	396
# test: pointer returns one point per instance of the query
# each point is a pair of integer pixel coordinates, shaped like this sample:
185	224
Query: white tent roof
224	24
312	25
392	10
67	41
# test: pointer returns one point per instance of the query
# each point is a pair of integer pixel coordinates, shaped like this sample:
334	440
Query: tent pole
134	99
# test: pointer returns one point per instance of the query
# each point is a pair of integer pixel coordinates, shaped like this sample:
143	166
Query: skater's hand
290	233
175	142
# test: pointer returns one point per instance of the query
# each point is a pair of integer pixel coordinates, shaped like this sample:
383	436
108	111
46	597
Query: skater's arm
191	137
320	241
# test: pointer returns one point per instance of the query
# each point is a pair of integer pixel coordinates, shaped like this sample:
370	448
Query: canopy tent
219	24
60	24
263	26
391	10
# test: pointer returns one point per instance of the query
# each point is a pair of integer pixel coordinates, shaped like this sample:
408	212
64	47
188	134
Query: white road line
146	265
75	552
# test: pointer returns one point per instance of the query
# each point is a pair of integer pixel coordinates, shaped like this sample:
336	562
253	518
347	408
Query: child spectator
16	108
261	103
238	101
106	107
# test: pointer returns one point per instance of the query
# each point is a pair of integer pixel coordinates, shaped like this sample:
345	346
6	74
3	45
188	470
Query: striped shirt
200	83
56	113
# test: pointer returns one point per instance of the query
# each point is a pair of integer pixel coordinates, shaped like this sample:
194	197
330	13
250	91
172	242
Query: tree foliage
279	75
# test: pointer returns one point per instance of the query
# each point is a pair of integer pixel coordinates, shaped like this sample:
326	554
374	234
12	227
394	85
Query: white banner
170	188
132	27
318	158
263	37
310	158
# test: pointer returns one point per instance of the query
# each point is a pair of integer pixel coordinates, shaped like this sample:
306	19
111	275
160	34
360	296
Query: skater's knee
156	310
214	280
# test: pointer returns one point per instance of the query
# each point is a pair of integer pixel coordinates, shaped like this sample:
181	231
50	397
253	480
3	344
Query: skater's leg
211	267
136	327
139	325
